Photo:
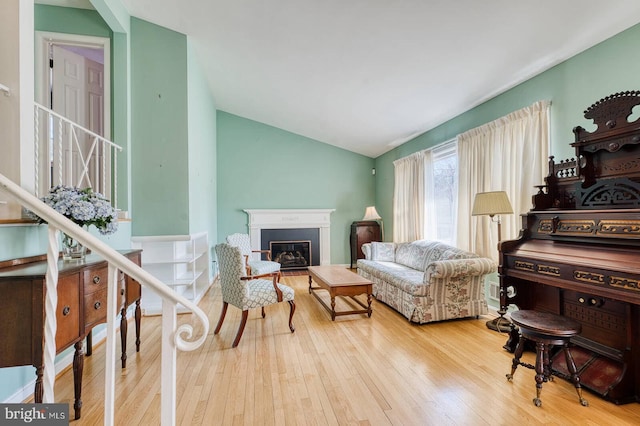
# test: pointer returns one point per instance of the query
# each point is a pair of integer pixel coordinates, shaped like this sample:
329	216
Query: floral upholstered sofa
426	280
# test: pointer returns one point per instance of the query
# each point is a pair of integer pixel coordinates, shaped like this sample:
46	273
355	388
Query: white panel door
100	172
95	96
69	84
78	94
68	100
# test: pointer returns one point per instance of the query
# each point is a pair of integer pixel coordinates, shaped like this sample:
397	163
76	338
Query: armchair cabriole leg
225	305
243	322
292	305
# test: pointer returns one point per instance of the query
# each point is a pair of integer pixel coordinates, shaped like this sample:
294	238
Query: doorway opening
73	80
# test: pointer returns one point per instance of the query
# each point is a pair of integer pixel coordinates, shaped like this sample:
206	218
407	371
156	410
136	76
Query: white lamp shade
491	203
371	214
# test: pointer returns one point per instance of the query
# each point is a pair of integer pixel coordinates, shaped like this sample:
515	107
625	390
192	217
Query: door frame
42	41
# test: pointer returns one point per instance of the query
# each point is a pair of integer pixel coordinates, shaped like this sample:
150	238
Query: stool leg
540	367
516	358
571	366
547	364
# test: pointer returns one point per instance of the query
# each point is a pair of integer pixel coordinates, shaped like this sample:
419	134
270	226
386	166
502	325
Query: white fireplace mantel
292	218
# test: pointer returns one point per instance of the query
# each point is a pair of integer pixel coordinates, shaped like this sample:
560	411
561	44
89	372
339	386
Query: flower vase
72	249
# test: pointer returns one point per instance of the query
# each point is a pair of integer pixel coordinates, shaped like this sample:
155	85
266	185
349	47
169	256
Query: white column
16	73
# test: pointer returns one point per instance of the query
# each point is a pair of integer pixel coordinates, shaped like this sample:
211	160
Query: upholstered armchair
248	291
254	266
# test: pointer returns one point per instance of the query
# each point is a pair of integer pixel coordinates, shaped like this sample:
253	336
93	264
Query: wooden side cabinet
362	232
82	304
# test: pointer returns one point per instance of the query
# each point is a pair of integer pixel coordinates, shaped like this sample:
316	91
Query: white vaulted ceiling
367	75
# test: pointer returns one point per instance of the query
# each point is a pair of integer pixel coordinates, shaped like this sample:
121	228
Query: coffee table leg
369	304
310	284
333	308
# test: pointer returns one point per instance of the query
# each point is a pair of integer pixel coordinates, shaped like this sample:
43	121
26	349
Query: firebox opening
291	254
289	235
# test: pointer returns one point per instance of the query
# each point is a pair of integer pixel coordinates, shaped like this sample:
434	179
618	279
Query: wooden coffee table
340	281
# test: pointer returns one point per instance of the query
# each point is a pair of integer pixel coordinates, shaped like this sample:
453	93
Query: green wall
263	167
159	151
572	86
202	151
70	21
120	103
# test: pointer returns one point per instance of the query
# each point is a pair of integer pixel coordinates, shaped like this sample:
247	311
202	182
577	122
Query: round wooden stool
546	330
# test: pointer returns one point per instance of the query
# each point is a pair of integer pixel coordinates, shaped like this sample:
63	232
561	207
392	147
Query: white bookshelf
180	261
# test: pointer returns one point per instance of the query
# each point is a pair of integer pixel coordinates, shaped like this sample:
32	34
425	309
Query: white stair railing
69	154
173	337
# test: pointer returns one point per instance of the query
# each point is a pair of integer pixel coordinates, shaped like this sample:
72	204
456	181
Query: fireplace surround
319	219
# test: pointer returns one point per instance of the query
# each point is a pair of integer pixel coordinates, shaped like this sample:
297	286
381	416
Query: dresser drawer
95	279
95	308
68	311
133	290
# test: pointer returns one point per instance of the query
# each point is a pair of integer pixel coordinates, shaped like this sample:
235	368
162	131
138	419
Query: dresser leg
37	393
123	336
78	365
138	315
89	347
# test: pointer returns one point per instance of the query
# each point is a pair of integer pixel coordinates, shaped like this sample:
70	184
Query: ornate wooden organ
578	253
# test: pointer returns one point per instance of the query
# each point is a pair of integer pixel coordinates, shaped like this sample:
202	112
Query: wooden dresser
82	304
362	232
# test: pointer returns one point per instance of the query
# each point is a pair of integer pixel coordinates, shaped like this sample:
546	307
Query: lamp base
499	324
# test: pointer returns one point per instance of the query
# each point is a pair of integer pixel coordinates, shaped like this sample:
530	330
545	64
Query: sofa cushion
383	252
418	254
453	253
406	279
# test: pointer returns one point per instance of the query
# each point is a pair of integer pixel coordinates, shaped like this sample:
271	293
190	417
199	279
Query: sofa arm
380	251
458	267
366	249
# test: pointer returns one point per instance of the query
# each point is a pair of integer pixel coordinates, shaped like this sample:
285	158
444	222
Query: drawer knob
97	305
96	279
65	311
581	300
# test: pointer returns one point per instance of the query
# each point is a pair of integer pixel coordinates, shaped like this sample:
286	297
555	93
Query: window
441	194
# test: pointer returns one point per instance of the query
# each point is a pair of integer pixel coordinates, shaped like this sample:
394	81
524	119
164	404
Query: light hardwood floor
357	370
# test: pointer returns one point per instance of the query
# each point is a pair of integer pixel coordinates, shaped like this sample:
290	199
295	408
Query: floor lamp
492	204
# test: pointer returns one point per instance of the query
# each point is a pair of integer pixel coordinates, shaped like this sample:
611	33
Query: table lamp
371	213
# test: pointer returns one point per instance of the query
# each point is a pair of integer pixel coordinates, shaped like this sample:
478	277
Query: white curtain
430	224
408	198
509	154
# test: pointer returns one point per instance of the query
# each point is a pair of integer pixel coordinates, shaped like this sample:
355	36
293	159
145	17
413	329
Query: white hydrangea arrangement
83	206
